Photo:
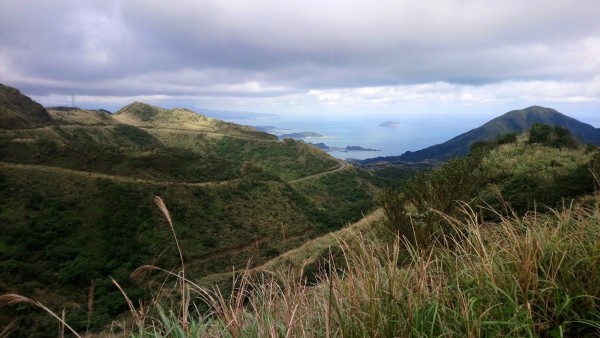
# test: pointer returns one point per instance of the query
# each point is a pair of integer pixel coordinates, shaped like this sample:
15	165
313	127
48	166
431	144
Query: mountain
77	189
81	117
516	121
146	116
18	111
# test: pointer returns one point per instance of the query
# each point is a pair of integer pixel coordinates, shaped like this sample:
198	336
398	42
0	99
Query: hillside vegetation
18	111
509	174
467	249
251	236
76	203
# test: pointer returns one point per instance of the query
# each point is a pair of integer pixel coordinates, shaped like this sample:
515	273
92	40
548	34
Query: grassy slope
18	111
530	175
66	228
530	275
383	290
518	274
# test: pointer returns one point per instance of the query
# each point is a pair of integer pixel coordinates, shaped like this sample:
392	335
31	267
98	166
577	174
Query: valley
76	188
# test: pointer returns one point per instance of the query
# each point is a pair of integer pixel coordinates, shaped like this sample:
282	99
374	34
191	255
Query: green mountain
76	202
516	121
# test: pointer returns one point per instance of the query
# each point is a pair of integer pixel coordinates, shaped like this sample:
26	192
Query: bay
410	134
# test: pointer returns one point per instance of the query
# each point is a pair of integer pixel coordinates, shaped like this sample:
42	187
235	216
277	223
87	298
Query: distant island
390	124
302	135
325	147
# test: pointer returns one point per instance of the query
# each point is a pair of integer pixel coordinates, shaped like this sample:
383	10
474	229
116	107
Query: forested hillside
77	189
501	243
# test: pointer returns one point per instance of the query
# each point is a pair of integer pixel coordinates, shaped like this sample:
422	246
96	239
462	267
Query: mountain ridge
18	111
514	121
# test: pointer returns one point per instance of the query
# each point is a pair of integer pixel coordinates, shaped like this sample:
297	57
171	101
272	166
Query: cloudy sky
338	57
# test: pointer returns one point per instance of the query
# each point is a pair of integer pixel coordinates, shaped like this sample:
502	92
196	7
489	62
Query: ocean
413	134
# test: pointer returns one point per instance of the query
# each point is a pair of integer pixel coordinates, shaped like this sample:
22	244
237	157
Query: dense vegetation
474	250
486	245
508	173
76	205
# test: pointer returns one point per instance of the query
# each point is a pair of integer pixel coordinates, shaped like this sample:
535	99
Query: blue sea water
418	127
410	135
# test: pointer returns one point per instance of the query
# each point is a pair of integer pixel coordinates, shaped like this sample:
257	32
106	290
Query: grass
511	273
536	275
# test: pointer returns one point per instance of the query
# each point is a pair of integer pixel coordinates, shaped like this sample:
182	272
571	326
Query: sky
466	59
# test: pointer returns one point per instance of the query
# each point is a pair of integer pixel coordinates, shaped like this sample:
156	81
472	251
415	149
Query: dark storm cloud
276	48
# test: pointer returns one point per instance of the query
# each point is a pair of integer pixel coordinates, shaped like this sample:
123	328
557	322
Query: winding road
224	252
43	168
341	166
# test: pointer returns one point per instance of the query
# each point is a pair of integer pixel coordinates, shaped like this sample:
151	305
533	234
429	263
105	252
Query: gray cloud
280	48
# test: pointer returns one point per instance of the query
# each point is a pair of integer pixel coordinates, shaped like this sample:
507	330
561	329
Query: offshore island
325	147
302	136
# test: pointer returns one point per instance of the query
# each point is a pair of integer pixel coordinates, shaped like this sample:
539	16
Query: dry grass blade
132	309
140	271
12	298
90	306
61	330
8	329
185	301
162	206
143	270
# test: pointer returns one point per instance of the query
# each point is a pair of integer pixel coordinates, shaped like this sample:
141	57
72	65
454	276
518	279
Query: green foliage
63	231
557	136
480	148
326	191
76	204
498	174
532	175
161	155
138	136
393	175
414	211
288	159
537	276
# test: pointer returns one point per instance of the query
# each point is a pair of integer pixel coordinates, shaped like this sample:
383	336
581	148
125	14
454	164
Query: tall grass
536	275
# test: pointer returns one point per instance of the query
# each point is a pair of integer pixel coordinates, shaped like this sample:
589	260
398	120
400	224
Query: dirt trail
81	173
118	178
223	252
341	166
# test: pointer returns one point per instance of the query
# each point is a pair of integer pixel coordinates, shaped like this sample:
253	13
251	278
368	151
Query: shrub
557	136
414	211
